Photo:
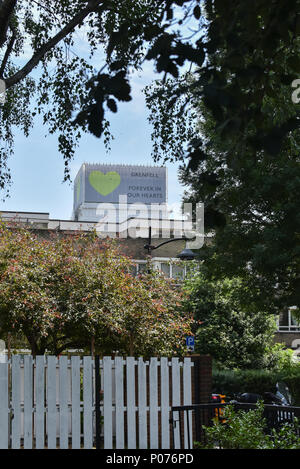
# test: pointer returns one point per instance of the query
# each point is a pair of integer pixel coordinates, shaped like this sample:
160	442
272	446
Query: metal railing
188	422
289	328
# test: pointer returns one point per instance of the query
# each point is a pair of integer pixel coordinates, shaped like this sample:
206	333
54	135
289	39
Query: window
138	267
288	322
165	269
170	268
141	268
177	272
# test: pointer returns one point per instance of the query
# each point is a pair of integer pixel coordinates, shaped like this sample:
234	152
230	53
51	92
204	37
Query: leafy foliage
233	329
232	382
241	55
48	54
173	117
61	291
234	125
251	207
247	430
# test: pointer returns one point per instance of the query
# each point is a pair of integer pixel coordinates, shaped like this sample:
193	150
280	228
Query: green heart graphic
104	184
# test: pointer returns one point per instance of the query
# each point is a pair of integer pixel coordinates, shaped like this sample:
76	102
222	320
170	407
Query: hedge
231	382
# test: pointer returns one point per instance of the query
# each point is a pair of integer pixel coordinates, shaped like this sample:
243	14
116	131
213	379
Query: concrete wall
290	339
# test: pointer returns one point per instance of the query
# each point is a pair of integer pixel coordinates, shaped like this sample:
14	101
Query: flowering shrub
61	290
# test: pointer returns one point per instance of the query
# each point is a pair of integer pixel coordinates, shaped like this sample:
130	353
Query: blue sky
37	167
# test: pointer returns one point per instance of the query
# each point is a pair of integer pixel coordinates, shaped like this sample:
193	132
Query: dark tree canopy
235	127
239	52
232	326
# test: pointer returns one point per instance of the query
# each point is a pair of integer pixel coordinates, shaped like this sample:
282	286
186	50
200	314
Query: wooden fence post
202	378
202	386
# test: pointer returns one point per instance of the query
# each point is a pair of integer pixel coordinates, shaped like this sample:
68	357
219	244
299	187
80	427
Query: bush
234	329
248	430
278	358
231	382
61	291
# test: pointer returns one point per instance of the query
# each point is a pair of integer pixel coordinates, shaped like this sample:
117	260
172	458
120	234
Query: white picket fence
50	402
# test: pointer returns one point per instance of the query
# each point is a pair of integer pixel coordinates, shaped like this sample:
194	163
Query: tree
233	329
235	127
45	74
61	291
251	207
244	165
259	53
153	320
240	55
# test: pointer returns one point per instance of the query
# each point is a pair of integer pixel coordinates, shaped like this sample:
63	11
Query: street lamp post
185	255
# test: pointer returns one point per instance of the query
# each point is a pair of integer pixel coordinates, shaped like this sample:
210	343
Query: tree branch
73	343
45	8
6	9
8	51
41	52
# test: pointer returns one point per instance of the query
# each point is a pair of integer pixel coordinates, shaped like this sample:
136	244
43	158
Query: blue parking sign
190	342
